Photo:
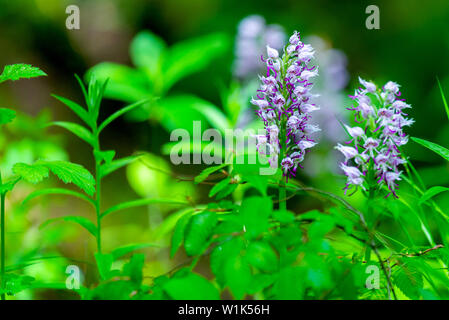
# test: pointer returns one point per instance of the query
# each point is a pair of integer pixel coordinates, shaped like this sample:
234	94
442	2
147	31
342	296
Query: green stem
282	195
3	256
98	204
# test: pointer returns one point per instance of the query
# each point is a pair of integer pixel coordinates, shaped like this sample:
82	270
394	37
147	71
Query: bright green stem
98	204
282	196
3	256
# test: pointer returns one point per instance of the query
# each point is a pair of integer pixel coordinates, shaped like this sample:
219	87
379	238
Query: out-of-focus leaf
190	56
262	256
147	51
125	84
255	212
6	115
446	107
178	234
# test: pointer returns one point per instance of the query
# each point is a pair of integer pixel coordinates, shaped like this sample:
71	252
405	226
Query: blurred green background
410	48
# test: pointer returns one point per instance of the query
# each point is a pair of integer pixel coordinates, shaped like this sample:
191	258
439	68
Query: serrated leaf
6	115
72	173
198	231
18	71
82	221
442	151
80	131
33	173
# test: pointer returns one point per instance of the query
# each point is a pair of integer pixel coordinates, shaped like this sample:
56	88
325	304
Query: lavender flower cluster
283	102
376	140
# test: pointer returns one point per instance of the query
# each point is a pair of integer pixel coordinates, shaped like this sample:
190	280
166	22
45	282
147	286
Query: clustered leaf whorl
375	145
284	105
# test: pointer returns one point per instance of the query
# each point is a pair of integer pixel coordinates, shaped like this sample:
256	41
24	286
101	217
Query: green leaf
104	263
446	107
139	203
123	250
178	234
443	152
198	231
290	284
255	212
82	221
34	173
134	267
72	173
219	187
190	286
80	131
38	193
18	71
76	108
432	192
262	256
210	112
191	56
409	280
120	113
6	115
147	51
207	172
9	185
109	168
170	222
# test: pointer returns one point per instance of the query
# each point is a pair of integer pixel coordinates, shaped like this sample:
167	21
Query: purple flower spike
379	113
287	87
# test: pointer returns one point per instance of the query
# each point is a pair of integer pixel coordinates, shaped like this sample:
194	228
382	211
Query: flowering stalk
284	106
374	145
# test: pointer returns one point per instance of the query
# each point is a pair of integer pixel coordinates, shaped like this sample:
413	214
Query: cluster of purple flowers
375	142
283	102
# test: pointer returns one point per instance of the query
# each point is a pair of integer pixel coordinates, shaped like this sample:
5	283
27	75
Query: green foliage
442	151
19	71
6	115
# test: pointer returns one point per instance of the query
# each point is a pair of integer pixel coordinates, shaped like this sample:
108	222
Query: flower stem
282	195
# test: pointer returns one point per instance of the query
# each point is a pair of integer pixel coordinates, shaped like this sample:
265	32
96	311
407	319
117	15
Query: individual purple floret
375	141
283	102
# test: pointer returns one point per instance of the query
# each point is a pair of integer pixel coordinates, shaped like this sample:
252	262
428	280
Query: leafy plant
33	173
105	164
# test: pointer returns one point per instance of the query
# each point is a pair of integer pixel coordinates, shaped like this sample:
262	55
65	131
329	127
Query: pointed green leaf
80	131
178	234
207	172
446	107
114	165
139	203
82	221
198	231
190	286
432	192
76	108
120	113
38	193
442	151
